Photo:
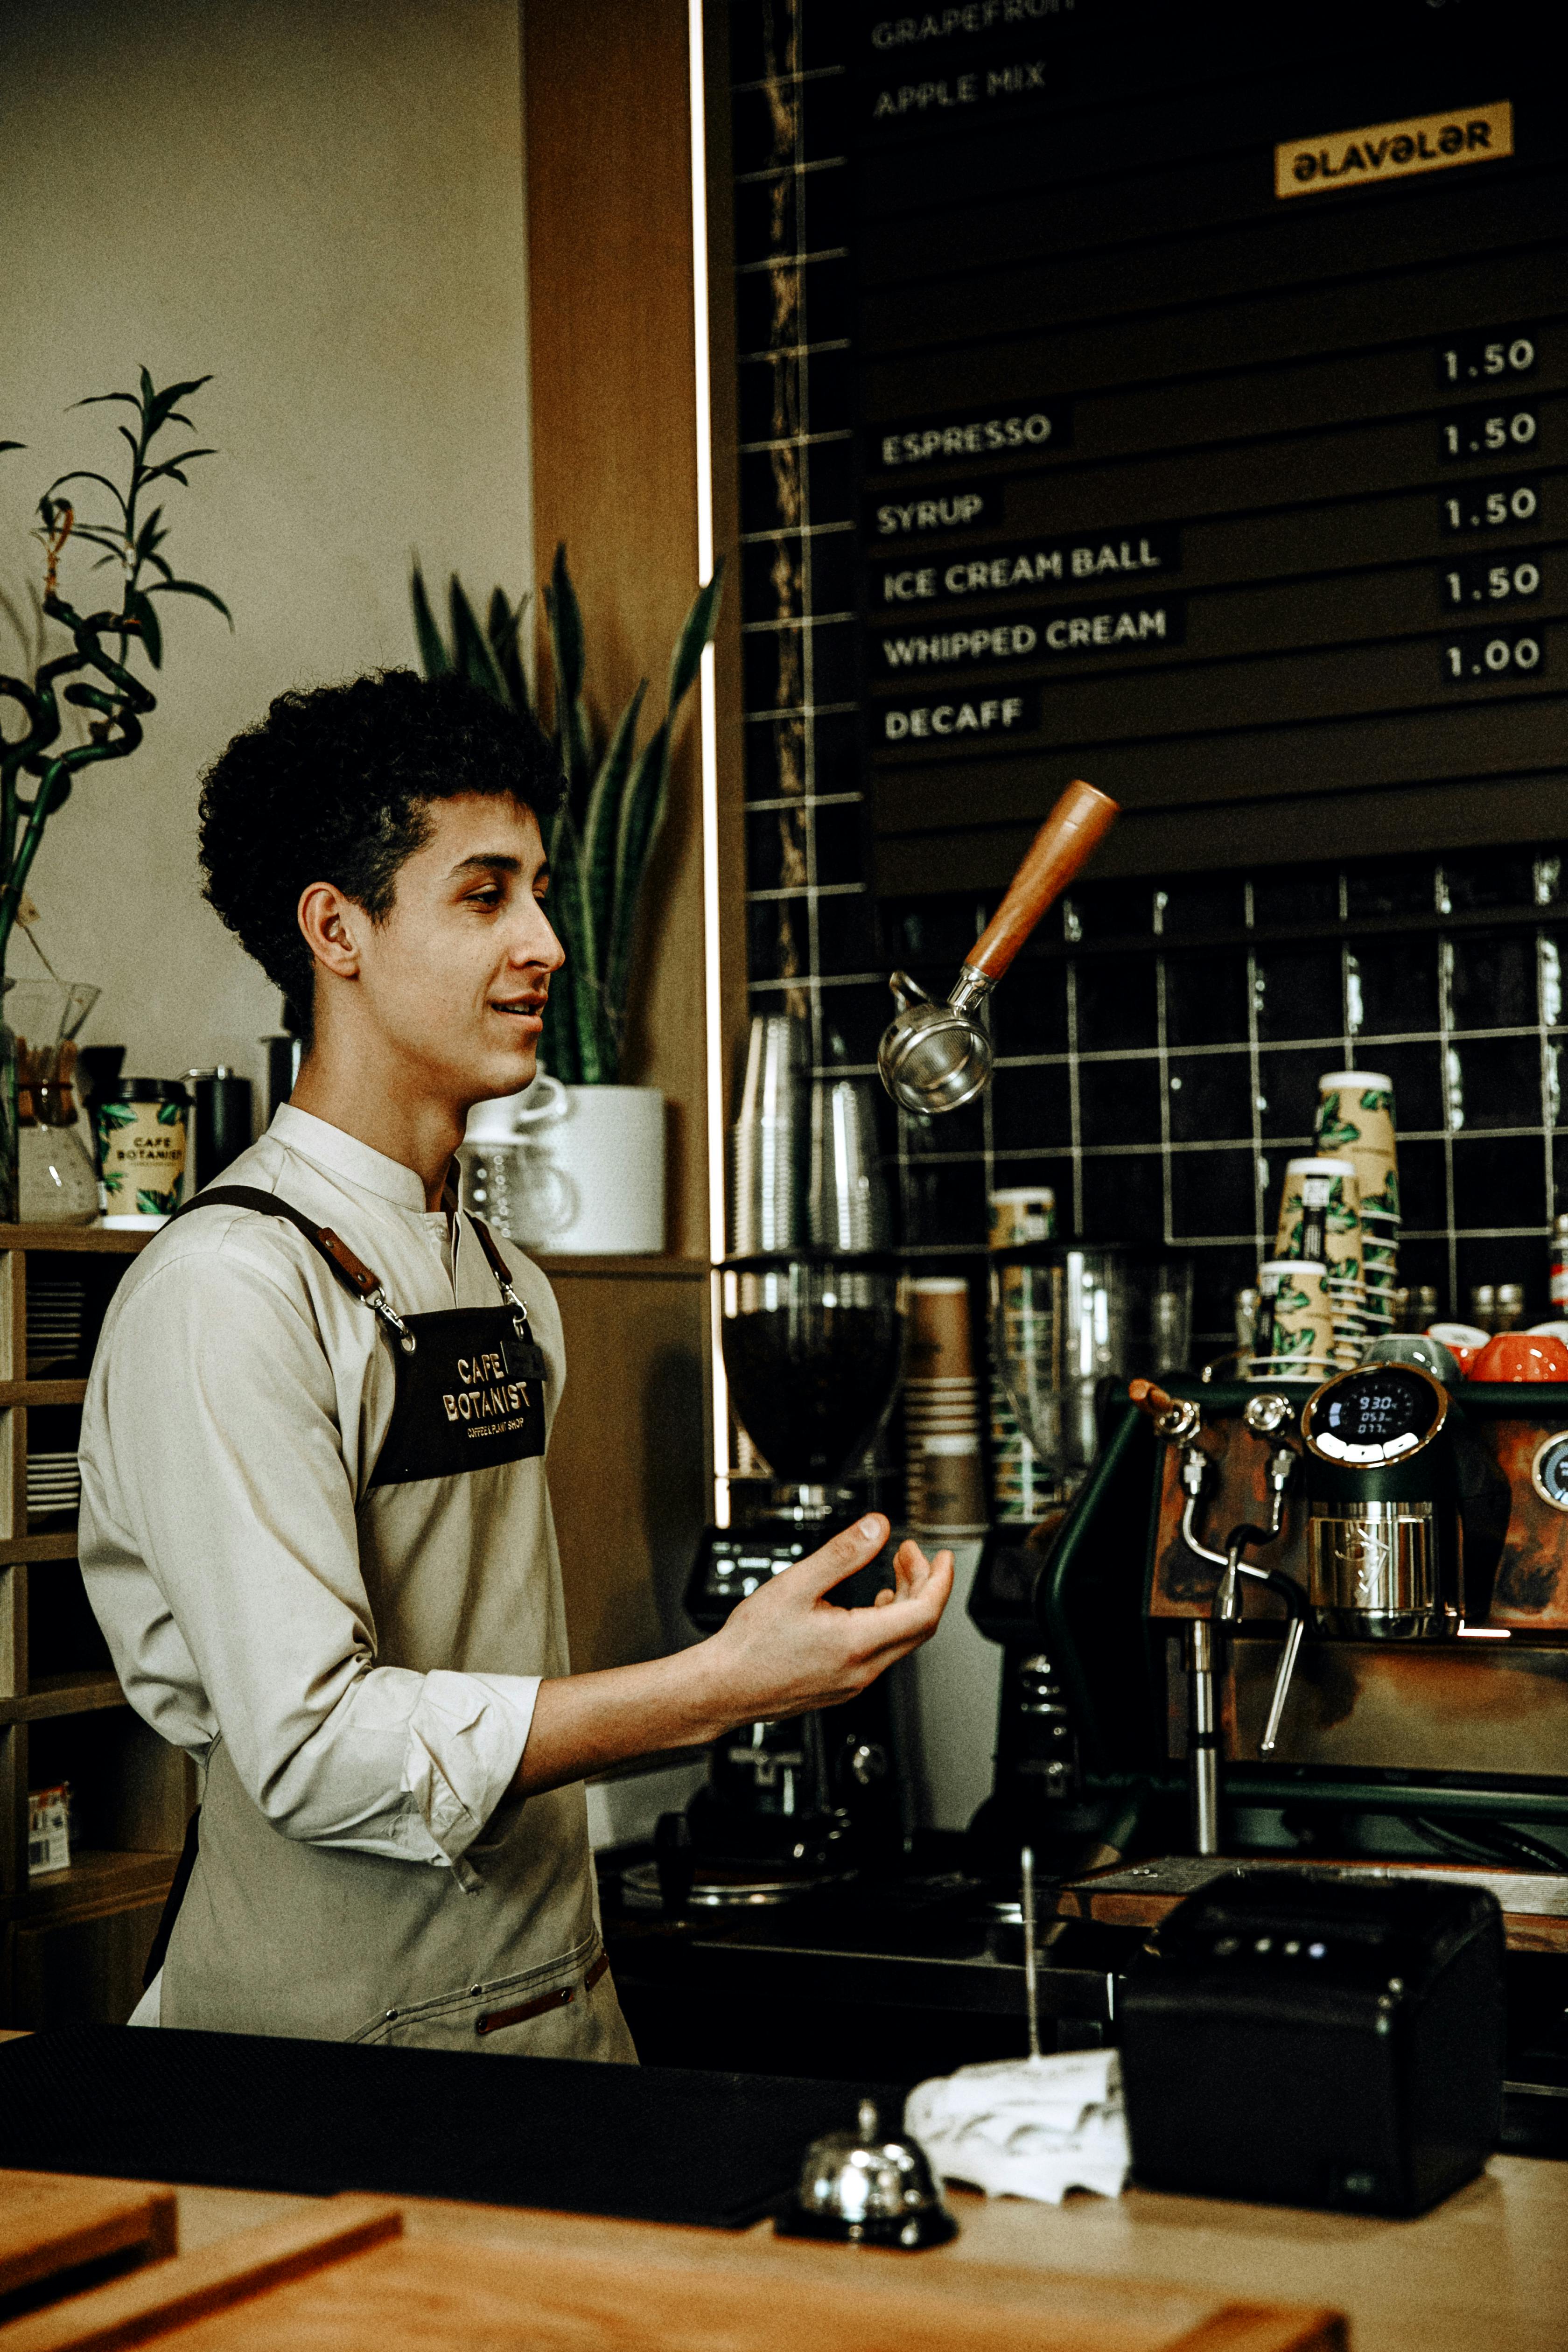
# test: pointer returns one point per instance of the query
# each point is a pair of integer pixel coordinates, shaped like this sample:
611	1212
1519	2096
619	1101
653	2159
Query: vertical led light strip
713	1005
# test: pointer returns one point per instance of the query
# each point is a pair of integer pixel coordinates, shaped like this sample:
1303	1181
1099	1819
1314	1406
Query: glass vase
46	1170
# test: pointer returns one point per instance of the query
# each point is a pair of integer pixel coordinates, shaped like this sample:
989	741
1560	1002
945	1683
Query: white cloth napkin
1027	2127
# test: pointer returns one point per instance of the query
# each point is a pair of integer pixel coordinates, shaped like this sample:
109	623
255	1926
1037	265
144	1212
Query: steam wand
1031	1960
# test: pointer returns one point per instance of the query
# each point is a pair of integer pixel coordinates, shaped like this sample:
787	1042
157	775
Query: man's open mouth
525	1007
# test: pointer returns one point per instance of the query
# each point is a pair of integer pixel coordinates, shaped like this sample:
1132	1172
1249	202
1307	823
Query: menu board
1214	393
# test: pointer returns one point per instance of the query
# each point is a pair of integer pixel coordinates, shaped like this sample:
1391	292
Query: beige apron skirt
276	1935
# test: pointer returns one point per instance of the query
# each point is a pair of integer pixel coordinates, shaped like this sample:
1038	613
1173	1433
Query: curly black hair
334	785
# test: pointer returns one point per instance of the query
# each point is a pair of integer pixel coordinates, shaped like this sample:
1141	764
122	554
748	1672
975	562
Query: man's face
456	972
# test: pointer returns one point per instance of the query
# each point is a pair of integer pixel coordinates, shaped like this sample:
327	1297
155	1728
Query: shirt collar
343	1155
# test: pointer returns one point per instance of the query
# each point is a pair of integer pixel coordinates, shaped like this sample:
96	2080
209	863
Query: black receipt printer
1295	2037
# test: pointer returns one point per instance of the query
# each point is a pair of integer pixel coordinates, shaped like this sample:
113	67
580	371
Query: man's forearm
585	1723
786	1649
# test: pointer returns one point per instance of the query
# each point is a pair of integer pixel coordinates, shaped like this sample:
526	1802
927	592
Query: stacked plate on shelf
54	1486
57	1308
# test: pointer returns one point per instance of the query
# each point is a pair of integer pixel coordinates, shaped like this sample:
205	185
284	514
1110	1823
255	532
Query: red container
1521	1356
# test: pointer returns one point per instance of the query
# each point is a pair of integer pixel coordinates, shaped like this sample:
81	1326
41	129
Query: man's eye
491	898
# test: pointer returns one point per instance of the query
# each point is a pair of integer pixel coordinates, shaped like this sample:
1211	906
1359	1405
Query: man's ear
330	924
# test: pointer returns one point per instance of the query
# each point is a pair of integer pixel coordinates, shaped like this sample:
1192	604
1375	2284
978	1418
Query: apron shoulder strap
497	1263
349	1270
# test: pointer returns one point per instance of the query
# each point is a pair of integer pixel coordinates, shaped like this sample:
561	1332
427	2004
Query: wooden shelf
71	1943
42	1393
96	1880
53	1695
100	1238
60	1545
646	1269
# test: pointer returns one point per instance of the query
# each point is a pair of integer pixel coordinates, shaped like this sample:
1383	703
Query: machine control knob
1266	1413
867	1763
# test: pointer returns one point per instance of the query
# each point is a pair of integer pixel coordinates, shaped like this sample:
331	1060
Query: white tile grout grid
1159	1047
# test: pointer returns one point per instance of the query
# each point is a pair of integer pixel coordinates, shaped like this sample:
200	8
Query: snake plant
600	840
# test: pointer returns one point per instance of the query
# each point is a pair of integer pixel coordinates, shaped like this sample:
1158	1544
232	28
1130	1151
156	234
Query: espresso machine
813	1345
1306	1622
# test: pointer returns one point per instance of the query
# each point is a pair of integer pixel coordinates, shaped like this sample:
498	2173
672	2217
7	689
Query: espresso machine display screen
1373	1416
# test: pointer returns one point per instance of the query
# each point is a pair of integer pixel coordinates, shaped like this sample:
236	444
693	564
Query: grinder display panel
1376	1417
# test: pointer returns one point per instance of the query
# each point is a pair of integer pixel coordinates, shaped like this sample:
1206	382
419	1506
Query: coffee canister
144	1134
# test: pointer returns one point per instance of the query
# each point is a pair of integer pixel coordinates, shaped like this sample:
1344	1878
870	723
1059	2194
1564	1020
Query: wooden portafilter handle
1062	847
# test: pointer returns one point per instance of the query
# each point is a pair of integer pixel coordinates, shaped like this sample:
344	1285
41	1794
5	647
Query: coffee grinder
813	1345
1068	1321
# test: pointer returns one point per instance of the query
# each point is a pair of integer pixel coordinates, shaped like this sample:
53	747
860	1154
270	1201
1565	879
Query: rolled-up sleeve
212	1465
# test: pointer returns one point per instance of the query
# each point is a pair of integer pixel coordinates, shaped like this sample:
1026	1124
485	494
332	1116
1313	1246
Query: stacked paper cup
1320	1221
1356	1122
942	1404
1021	1488
1294	1337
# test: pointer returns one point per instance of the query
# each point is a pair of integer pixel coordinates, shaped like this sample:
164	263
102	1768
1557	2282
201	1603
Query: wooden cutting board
345	2278
53	2225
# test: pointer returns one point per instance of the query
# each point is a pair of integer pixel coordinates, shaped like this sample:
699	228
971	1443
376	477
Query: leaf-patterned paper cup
1320	1216
1294	1336
1356	1122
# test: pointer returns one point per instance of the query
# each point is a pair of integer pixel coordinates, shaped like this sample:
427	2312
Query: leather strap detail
494	2020
351	1271
498	1264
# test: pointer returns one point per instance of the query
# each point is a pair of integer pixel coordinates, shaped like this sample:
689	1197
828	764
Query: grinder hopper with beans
935	1056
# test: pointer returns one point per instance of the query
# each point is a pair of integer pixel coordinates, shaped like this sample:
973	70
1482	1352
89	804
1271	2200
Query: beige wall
320	202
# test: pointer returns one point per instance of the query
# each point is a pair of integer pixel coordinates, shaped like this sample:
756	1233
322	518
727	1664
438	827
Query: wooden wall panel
614	458
607	135
628	1464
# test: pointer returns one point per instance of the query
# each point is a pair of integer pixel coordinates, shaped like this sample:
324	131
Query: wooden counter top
1487	2272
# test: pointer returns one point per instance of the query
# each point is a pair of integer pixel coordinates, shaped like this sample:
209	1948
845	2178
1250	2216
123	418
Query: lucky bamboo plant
130	536
600	841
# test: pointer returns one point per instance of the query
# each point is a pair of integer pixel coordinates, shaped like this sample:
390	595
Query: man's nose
538	944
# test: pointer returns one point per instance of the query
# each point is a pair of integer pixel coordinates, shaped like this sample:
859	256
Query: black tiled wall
1159	1043
1159	1048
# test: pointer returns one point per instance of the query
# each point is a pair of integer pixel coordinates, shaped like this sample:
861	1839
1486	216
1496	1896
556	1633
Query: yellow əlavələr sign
1393	150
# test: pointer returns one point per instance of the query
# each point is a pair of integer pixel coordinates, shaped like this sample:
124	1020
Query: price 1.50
1503	352
1477	580
1488	506
1475	432
1492	653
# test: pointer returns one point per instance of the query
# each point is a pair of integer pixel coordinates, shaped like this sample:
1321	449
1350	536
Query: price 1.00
1491	653
1477	580
1488	506
1503	352
1473	433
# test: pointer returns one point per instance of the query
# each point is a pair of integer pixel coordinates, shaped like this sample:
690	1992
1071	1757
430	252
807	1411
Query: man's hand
785	1649
788	1647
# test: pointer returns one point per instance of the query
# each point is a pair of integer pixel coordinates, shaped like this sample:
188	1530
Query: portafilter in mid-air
935	1056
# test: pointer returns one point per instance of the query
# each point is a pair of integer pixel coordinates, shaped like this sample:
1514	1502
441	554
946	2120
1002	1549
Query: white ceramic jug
578	1169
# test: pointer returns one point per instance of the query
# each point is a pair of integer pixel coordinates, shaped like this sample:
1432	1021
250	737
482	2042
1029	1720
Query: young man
314	1524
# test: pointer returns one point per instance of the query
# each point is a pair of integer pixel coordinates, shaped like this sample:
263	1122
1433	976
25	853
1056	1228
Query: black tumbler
284	1055
222	1120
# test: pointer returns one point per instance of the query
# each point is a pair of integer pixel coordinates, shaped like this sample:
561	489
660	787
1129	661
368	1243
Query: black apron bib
469	1395
469	1392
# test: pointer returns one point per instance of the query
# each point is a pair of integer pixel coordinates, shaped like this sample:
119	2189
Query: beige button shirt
238	1401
